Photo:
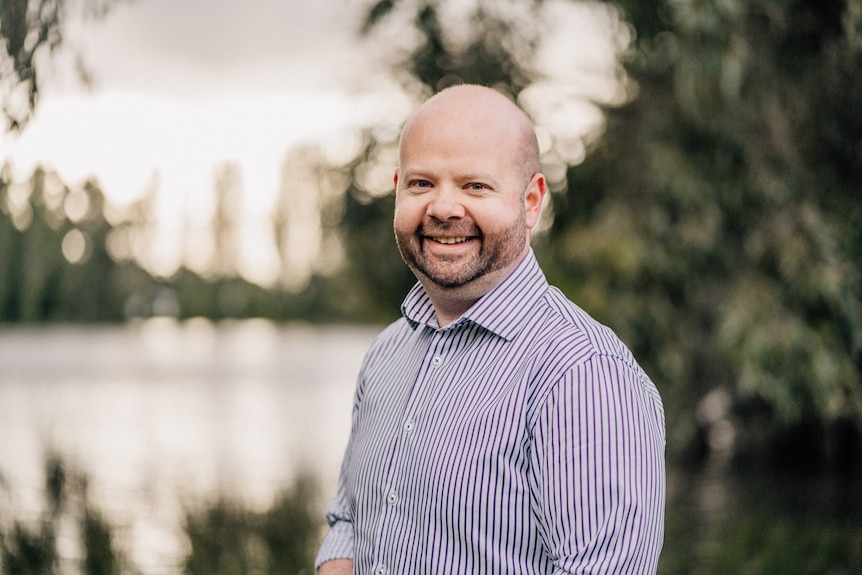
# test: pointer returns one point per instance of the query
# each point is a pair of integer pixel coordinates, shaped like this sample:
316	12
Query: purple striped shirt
521	438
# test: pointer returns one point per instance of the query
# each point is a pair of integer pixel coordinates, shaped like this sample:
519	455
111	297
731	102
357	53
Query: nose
445	204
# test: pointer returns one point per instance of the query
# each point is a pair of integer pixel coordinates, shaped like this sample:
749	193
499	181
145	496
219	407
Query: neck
448	306
451	303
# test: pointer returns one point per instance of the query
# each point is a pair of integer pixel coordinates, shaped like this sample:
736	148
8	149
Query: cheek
407	217
411	206
498	217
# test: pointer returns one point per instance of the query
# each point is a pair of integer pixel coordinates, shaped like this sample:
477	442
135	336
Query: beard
496	251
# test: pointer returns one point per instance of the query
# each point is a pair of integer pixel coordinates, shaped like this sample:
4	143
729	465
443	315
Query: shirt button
408	425
392	499
381	570
437	361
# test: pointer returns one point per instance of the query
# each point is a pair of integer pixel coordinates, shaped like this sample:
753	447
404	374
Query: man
496	427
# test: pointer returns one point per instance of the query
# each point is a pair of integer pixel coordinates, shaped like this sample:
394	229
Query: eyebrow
421	173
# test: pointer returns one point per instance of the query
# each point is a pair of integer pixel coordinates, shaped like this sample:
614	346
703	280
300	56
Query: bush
228	538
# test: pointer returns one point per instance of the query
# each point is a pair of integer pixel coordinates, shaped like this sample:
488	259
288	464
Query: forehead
457	136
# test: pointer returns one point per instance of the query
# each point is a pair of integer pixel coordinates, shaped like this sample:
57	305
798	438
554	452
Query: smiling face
466	191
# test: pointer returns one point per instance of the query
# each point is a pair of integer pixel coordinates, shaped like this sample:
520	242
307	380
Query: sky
181	87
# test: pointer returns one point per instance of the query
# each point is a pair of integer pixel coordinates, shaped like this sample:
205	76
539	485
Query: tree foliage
716	225
54	259
726	241
27	29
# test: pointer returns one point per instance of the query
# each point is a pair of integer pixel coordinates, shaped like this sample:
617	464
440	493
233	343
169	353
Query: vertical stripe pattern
521	439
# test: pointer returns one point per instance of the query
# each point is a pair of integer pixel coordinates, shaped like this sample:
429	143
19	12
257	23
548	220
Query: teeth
450	240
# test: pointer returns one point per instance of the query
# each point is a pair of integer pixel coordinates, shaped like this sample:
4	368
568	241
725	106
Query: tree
722	237
55	264
717	223
28	28
226	223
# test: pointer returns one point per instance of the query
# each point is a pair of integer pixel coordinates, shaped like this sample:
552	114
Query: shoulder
577	350
565	331
596	338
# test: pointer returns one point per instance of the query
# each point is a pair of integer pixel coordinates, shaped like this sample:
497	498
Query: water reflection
721	520
163	411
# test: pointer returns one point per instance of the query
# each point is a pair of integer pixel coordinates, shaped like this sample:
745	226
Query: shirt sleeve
598	470
338	543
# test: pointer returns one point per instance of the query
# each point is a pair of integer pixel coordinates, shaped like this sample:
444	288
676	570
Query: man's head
468	190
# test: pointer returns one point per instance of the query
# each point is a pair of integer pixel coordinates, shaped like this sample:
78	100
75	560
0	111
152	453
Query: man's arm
336	567
337	545
336	550
598	464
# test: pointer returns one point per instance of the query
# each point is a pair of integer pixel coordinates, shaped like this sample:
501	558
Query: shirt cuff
338	544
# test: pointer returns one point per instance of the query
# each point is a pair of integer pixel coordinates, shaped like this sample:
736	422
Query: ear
395	178
533	197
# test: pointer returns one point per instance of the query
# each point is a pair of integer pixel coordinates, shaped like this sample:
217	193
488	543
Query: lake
161	413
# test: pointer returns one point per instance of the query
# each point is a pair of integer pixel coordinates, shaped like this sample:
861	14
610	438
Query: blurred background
196	250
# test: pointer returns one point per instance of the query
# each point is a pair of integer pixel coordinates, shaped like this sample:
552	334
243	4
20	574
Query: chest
444	411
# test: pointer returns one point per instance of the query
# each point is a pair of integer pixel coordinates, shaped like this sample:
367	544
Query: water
161	412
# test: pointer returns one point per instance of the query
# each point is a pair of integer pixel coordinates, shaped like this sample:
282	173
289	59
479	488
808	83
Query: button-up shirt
521	438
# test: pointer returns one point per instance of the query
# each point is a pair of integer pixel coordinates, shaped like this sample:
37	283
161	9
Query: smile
450	241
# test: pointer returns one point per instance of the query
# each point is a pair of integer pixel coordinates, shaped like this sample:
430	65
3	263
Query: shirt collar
503	311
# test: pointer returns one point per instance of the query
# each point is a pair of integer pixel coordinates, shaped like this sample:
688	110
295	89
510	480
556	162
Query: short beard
495	253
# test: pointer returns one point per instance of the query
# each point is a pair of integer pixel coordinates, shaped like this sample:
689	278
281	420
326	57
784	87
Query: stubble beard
496	251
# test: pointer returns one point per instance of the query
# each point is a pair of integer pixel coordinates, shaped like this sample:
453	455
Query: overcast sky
193	83
225	46
182	86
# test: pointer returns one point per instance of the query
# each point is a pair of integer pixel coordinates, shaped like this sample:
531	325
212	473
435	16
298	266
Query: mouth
449	240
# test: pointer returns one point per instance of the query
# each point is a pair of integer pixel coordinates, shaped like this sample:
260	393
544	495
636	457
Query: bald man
496	427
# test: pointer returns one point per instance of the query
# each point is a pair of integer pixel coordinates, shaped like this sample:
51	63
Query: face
463	209
454	251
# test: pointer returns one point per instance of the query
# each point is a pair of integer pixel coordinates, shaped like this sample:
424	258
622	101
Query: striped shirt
521	438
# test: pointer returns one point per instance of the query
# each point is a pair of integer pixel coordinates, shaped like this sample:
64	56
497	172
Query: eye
476	186
420	184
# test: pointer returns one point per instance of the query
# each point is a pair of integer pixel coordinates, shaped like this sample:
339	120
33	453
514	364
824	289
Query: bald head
469	104
467	194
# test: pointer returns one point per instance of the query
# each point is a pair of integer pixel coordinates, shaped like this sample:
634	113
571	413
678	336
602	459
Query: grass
225	537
